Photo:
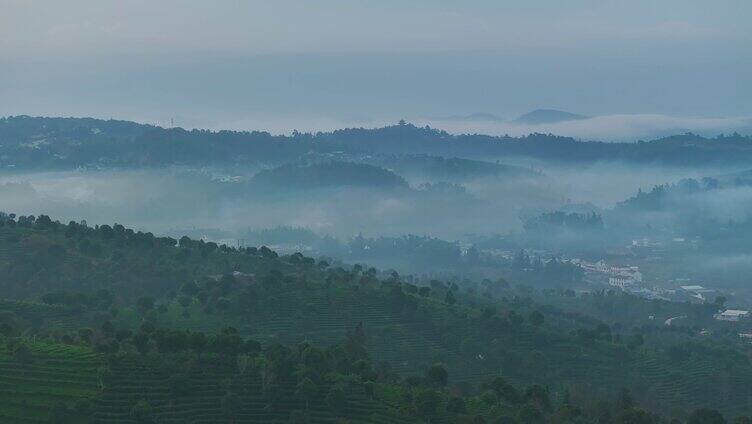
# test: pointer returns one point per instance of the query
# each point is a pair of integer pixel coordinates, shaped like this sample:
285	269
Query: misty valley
385	275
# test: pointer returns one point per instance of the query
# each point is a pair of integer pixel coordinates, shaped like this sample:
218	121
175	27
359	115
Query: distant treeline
655	199
29	142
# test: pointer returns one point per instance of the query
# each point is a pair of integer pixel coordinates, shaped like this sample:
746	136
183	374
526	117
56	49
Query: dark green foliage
336	399
22	354
437	375
706	416
427	403
456	405
142	412
59	413
299	337
449	298
536	318
307	390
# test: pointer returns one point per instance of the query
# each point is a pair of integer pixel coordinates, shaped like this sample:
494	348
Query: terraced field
324	318
675	388
57	373
134	379
50	318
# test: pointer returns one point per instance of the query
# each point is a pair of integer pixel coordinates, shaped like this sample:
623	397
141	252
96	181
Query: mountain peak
548	116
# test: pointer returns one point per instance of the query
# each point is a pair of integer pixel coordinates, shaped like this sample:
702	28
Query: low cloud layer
619	127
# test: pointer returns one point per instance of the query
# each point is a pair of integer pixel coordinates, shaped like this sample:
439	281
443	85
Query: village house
732	315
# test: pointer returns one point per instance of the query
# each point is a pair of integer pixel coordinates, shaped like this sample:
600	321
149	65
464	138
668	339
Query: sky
281	64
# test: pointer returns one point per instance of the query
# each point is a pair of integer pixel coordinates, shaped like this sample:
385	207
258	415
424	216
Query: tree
141	343
424	291
720	301
635	341
108	329
85	335
538	396
197	341
536	318
272	280
635	416
449	299
179	384
426	403
625	400
231	405
529	414
22	354
336	399
298	417
456	405
185	301
307	390
504	391
437	375
189	289
122	335
355	342
113	347
568	413
145	304
142	412
59	413
369	387
706	416
147	327
223	304
515	319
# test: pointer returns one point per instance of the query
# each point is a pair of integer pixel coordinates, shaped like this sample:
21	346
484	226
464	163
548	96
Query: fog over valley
179	198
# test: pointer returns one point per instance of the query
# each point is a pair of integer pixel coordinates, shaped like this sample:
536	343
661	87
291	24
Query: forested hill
144	326
30	142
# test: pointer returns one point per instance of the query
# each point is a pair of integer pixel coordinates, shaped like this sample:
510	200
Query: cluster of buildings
630	279
622	277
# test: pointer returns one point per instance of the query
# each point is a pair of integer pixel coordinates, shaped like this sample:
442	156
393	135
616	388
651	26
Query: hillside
82	286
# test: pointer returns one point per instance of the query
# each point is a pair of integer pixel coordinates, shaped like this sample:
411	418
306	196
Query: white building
693	288
620	282
625	277
732	315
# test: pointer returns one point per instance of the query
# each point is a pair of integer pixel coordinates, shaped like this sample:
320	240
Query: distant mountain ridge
548	116
65	143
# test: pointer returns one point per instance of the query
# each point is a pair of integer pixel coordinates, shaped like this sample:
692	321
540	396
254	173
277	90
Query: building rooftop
692	288
734	312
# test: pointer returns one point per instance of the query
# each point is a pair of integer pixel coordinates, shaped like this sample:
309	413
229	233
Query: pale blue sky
219	62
